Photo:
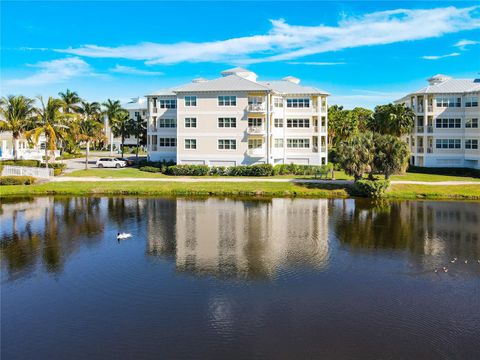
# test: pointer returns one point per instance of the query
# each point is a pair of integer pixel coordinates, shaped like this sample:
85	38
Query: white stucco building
446	132
136	107
238	120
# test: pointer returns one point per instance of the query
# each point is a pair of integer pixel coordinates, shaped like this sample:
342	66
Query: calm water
218	279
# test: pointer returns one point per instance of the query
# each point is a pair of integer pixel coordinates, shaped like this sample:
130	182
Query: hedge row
16	180
445	171
241	170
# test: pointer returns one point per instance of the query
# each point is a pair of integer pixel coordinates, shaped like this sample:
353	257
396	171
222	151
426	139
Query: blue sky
363	53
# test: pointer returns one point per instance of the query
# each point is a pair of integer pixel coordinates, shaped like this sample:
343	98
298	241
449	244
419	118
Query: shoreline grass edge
245	189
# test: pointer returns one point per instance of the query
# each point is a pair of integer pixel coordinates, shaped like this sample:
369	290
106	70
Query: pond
223	278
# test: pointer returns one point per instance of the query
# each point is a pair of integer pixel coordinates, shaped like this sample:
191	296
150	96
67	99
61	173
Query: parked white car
111	162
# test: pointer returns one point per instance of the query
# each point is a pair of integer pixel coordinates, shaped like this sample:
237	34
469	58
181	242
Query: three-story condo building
237	120
446	132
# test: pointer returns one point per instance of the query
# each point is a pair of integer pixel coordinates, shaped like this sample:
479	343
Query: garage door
193	162
297	161
222	163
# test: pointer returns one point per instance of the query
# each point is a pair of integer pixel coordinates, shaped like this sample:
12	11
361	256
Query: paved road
242	180
79	164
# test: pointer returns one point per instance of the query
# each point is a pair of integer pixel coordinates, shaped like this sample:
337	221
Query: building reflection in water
247	239
438	231
46	230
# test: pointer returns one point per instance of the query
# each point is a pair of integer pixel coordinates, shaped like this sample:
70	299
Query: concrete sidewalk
246	180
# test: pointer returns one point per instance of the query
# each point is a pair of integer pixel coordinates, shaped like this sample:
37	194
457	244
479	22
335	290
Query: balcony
256	130
430	129
152	129
420	129
429	150
256	152
420	109
315	149
153	147
430	108
257	108
154	110
420	149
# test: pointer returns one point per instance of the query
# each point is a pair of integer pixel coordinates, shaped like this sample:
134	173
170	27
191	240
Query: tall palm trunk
87	152
46	152
15	146
136	152
123	141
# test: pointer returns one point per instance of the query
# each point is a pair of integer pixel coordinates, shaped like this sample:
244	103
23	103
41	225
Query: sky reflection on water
213	278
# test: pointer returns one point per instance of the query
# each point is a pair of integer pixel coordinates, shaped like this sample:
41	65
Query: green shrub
467	172
29	163
218	171
16	180
151	169
374	189
57	172
250	170
294	169
187	170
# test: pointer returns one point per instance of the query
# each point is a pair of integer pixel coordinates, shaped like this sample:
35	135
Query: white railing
255	130
36	172
256	152
29	154
257	107
420	129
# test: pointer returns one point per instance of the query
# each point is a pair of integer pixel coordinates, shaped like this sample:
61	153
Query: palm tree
138	127
70	100
392	119
16	112
122	127
113	110
89	127
49	121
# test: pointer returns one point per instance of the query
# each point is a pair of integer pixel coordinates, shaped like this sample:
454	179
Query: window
278	123
227	100
471	144
168	104
298	143
298	103
167	142
137	114
471	123
227	144
190	122
448	123
448	144
278	143
471	101
227	122
167	123
278	102
254	122
190	101
255	143
298	123
190	144
448	101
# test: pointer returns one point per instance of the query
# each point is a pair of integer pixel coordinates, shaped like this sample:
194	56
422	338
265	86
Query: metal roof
287	87
226	83
452	86
136	103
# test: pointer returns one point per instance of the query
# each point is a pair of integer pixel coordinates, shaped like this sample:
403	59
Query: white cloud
316	63
462	44
121	69
288	42
54	71
437	57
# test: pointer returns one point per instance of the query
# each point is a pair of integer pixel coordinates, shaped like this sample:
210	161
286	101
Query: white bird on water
121	236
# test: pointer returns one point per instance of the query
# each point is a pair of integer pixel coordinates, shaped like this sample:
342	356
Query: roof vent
199	80
292	79
241	72
438	79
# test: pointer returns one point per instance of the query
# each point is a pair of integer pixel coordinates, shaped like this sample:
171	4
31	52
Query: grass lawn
267	189
339	175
